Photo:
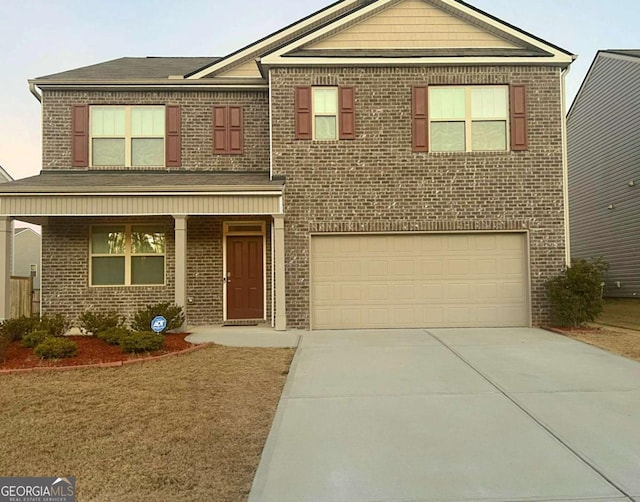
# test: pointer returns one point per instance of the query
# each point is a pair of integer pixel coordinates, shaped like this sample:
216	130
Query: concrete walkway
243	336
453	415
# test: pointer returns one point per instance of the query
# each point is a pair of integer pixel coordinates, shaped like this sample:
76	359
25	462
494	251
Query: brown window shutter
80	131
420	119
303	112
518	106
173	140
235	130
219	129
346	105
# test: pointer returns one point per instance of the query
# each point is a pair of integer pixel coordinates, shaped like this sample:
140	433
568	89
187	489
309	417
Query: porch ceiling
108	193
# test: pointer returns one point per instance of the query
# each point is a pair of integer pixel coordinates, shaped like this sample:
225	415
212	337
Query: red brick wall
65	270
196	106
65	281
376	183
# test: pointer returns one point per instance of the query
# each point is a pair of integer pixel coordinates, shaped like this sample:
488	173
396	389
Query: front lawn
623	312
185	428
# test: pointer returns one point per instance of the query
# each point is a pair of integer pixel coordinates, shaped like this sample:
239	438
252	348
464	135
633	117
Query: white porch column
6	237
279	278
181	260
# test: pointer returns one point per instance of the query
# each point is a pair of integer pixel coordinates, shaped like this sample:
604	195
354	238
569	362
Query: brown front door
244	276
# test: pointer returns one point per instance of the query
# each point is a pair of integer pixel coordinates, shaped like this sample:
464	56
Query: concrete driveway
453	415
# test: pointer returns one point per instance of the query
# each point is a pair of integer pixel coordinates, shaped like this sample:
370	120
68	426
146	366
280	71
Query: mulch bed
91	350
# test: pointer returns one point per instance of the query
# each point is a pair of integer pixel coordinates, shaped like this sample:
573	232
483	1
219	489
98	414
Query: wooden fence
21	300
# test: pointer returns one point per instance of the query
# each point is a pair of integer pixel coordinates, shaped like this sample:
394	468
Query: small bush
576	294
56	348
55	325
113	336
142	341
171	312
17	328
4	345
96	322
34	338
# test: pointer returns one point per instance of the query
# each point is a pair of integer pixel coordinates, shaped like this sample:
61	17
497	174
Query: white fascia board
322	31
276	57
123	87
502	26
138	194
426	61
251	49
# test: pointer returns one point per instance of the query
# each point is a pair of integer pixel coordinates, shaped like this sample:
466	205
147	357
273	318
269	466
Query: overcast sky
40	37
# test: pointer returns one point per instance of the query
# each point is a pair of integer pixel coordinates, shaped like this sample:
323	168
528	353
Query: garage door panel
487	266
422	280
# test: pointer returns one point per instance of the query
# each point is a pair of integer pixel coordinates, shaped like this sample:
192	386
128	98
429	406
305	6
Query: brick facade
65	280
197	109
375	183
65	270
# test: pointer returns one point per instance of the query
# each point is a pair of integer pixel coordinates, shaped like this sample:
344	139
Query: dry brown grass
183	429
621	341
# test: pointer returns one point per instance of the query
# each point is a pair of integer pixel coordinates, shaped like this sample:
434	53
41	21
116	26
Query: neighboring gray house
603	128
26	254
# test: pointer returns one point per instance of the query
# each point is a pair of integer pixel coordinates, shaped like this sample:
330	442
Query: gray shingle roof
133	69
141	181
624	52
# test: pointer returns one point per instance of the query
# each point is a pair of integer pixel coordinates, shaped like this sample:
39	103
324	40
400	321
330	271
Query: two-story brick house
385	163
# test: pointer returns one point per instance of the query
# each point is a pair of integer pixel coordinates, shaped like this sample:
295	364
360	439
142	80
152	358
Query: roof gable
447	32
606	67
251	52
411	24
4	175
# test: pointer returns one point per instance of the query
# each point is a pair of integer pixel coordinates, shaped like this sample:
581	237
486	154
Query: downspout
33	90
565	166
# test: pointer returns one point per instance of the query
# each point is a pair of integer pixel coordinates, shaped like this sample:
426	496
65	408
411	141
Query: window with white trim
127	255
128	136
468	119
325	112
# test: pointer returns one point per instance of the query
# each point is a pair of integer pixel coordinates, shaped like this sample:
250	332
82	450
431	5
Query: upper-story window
468	119
325	113
472	118
130	136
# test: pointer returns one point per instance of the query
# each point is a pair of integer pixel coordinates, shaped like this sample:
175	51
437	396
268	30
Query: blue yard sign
158	324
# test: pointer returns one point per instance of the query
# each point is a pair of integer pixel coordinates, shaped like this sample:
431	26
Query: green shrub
56	348
5	340
142	341
113	335
55	324
576	294
17	328
171	312
96	322
34	338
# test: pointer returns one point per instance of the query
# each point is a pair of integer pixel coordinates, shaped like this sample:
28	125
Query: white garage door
421	280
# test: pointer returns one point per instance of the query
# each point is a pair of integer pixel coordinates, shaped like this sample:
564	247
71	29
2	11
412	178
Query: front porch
219	252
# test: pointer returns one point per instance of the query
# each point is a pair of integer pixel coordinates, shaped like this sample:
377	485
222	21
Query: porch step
243	322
